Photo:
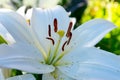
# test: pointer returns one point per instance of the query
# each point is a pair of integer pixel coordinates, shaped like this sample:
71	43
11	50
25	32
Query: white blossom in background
6	4
47	44
48	3
41	3
32	3
21	77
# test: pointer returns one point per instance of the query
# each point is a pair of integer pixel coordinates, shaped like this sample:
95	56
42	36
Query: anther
69	29
55	25
53	42
64	45
49	30
70	36
28	21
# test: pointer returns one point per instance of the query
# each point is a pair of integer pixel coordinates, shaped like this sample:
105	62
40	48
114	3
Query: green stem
56	51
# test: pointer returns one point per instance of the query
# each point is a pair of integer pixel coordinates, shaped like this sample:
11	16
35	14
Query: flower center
53	57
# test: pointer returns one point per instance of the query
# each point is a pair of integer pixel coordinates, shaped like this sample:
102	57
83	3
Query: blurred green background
82	10
109	10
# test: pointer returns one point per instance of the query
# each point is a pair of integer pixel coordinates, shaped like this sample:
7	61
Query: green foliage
2	40
109	10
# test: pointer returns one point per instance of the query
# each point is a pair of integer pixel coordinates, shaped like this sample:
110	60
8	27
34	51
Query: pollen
28	21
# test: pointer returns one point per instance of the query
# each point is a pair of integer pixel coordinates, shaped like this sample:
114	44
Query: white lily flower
50	46
21	77
6	4
30	2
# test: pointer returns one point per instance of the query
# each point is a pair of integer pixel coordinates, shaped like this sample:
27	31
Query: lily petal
15	24
89	63
27	65
6	35
22	77
42	18
56	75
23	58
1	75
21	11
29	14
91	32
47	76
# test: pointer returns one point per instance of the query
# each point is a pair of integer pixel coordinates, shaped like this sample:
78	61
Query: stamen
27	8
69	29
70	36
28	21
53	42
49	30
64	45
55	25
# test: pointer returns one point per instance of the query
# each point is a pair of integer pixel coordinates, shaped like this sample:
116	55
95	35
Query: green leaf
2	40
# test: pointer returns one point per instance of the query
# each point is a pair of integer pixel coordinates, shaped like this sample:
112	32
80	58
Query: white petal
15	24
28	14
25	64
42	18
84	63
23	58
56	75
22	77
47	77
21	11
1	75
91	32
6	35
97	72
19	50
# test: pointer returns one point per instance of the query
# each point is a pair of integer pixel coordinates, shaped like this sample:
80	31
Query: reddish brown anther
49	30
69	29
70	36
53	42
55	25
64	45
